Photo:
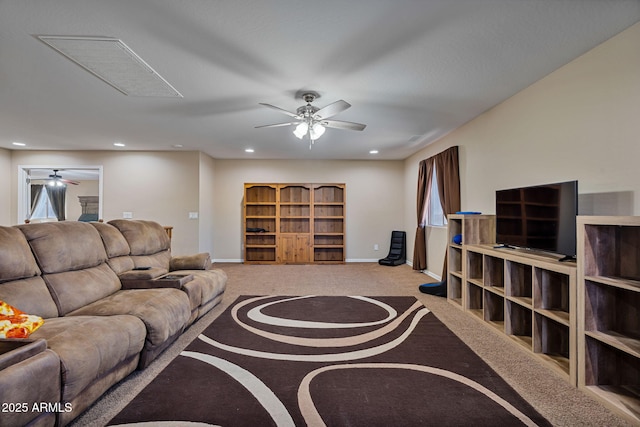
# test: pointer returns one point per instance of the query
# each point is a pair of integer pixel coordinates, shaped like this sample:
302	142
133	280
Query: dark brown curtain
425	172
448	176
36	190
57	199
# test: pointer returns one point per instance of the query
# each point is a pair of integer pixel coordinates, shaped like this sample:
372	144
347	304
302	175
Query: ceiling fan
57	180
312	120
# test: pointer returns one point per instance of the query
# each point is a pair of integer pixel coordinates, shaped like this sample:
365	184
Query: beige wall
374	201
160	186
6	177
580	122
207	203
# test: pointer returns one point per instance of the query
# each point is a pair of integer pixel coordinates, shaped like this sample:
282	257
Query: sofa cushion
165	312
90	347
16	259
72	258
20	281
64	246
144	237
114	242
116	247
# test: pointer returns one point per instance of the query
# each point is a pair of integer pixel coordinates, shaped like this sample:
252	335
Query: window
43	209
435	215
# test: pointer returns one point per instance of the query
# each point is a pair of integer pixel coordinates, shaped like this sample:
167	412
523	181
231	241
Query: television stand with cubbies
528	296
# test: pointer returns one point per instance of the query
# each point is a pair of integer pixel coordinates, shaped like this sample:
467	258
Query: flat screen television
541	217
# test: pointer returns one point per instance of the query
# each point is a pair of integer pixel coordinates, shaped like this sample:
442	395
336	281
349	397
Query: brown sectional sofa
96	331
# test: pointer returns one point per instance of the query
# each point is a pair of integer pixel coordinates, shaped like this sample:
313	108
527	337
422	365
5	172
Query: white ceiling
412	70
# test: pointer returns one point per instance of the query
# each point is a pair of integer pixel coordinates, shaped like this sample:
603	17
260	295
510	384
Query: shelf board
556	360
498	290
260	233
457	273
260	217
524	340
456	301
526	302
618	282
614	339
293	217
260	246
477	312
624	399
557	315
498	324
328	234
328	246
477	282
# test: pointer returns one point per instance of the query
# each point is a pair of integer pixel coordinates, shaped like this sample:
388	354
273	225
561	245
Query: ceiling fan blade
332	109
337	124
288	113
68	181
277	125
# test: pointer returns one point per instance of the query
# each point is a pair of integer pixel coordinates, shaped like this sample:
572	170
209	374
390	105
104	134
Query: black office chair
397	251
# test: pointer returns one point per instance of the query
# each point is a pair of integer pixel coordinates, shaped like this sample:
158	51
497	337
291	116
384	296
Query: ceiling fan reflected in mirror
57	180
312	121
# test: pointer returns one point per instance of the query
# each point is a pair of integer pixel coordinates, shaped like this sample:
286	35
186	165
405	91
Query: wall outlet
376	247
127	215
193	215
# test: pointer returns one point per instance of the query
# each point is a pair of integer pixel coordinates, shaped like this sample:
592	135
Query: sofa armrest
201	261
14	351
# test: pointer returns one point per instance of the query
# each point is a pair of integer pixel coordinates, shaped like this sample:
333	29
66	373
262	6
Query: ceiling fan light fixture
317	130
301	130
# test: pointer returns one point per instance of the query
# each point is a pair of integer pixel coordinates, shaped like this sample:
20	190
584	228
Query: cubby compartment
474	267
454	289
328	240
613	376
294	210
553	294
327	225
612	251
260	239
519	324
328	210
254	254
260	224
260	210
260	194
455	260
494	273
553	341
474	300
612	315
328	255
494	309
518	282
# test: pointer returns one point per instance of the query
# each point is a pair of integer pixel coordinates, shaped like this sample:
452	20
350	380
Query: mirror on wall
55	193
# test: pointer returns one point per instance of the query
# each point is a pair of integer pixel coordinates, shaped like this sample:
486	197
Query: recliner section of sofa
96	333
149	246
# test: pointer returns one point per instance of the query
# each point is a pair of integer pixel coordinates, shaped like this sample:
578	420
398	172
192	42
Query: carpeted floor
548	393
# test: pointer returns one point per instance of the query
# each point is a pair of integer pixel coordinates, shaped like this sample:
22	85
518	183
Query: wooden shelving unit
530	297
474	229
609	312
294	223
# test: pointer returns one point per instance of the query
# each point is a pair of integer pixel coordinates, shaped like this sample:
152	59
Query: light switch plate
127	215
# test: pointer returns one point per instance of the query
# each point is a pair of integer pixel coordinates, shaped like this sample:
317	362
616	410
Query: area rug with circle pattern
328	360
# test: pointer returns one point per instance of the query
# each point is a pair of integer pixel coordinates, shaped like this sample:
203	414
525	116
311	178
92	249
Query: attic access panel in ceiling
114	62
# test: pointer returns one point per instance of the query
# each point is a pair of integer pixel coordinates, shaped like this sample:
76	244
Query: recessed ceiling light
19	144
119	144
373	152
249	150
177	145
